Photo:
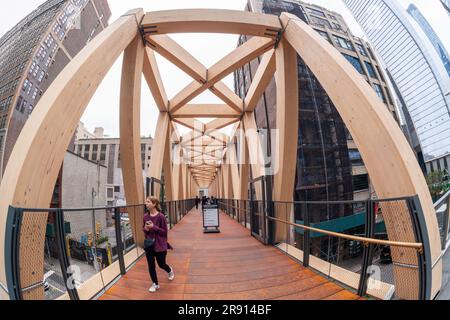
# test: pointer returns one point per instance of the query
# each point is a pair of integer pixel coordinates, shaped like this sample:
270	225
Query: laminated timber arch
30	175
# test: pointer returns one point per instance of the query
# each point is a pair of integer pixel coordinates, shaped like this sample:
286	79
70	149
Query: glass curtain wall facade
34	52
329	165
417	71
431	34
446	4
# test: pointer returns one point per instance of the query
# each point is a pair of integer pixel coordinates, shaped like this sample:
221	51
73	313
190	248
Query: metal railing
85	250
442	207
345	241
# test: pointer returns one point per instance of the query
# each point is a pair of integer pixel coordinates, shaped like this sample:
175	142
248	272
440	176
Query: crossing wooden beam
154	81
172	51
130	131
220	123
190	123
260	81
240	56
205	111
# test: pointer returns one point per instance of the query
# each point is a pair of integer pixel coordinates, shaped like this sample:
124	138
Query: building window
370	70
49	60
117	189
57	29
19	102
26	83
355	157
110	193
103	152
315	11
41	53
87	148
94	152
323	34
389	96
343	43
337	26
379	92
49	41
33	66
80	148
355	62
36	71
23	106
3	122
35	92
360	182
381	74
371	53
41	76
320	22
361	50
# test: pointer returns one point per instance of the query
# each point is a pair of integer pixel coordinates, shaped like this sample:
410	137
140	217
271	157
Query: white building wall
80	177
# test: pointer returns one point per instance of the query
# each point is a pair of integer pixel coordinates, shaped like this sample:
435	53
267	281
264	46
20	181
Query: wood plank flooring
231	265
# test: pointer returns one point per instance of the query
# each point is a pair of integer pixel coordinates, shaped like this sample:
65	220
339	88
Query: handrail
414	245
233	207
30	210
14	286
442	200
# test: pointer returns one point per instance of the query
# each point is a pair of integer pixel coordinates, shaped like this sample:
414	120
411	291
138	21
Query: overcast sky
103	109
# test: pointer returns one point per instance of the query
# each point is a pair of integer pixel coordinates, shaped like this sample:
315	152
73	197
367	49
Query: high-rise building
446	4
417	70
34	52
329	165
431	34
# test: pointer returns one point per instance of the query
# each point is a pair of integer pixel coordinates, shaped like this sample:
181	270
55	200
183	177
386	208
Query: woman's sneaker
153	288
171	275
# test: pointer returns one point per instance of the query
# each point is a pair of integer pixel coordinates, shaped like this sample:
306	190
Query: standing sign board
211	221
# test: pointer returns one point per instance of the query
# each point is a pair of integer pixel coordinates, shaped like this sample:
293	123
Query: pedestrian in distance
197	201
155	244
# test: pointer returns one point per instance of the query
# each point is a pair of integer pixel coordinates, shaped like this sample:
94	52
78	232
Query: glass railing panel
53	281
85	260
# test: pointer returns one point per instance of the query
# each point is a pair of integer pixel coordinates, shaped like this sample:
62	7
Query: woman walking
156	246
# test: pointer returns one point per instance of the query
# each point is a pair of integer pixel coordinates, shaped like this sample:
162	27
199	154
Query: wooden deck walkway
231	265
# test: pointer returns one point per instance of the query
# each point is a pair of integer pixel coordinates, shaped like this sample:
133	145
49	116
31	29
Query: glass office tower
418	73
432	36
329	166
34	52
446	4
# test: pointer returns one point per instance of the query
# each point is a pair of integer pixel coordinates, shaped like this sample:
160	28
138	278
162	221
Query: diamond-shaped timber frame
39	152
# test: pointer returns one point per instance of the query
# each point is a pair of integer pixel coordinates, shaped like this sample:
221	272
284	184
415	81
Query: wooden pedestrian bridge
270	246
231	265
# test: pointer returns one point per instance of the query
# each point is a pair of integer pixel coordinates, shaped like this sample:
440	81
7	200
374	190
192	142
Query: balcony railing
345	241
85	250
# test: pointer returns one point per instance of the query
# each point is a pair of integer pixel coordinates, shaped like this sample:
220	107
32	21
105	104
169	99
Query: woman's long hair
156	202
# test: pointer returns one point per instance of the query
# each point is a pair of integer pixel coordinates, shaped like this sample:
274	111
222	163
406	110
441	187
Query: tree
437	183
